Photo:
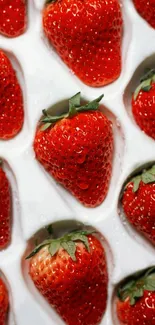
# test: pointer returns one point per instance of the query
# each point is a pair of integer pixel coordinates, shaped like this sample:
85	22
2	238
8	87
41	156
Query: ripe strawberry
71	273
143	104
87	35
13	17
77	150
5	210
11	100
136	299
4	303
147	10
139	203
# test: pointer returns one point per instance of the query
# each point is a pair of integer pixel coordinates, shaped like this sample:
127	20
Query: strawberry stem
147	176
134	287
67	242
145	82
74	108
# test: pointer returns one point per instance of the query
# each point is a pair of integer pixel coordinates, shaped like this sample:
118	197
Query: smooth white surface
38	200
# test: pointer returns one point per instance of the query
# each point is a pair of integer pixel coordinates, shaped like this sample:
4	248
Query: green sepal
67	242
82	238
147	177
73	103
145	82
135	286
49	1
70	248
38	248
136	181
74	108
54	247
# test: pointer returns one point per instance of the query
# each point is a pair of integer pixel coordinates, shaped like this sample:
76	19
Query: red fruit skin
77	152
143	109
77	290
4	303
13	15
139	208
142	313
11	100
92	50
147	10
5	210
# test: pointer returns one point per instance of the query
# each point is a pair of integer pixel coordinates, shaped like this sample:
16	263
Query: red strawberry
77	150
13	17
136	299
87	35
143	104
11	100
4	303
139	203
71	273
147	10
5	210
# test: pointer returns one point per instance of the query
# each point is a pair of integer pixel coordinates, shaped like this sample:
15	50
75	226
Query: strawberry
5	210
13	17
138	202
76	149
147	10
4	303
71	273
11	100
143	104
87	35
136	299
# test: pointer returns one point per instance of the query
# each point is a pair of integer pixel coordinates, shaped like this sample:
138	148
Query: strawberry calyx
67	242
49	1
147	177
74	108
145	82
134	287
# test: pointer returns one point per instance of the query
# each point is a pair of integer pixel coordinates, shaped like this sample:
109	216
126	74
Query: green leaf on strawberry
147	177
70	248
54	247
145	82
67	242
135	286
74	108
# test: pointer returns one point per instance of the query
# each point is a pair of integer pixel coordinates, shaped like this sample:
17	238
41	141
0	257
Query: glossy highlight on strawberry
136	299
4	302
71	273
13	17
147	10
77	150
5	210
11	100
138	202
87	35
